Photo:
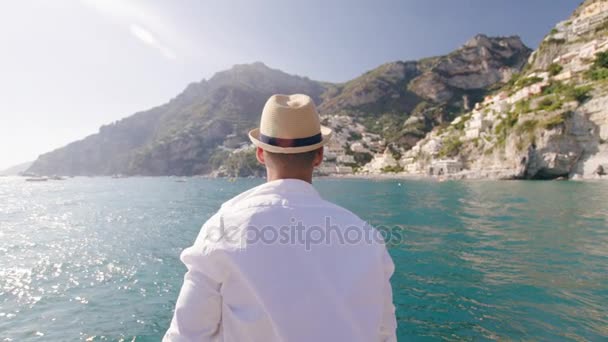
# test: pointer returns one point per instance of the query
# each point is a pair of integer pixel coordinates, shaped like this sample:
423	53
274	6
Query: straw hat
290	124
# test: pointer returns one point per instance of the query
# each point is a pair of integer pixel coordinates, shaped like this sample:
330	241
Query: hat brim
254	136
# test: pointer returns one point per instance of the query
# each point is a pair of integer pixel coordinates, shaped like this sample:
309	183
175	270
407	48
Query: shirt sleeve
198	310
388	330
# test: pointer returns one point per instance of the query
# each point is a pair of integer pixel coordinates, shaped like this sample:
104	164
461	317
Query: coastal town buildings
477	124
348	137
333	149
328	169
345	159
359	147
380	162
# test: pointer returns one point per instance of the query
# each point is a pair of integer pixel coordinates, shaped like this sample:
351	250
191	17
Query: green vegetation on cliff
599	70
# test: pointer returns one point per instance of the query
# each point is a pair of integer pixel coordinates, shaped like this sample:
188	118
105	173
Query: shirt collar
288	185
287	188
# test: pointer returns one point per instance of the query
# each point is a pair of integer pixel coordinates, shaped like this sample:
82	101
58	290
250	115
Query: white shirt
279	263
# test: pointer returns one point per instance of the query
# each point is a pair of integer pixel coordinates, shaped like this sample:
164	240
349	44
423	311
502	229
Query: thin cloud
150	39
158	30
143	23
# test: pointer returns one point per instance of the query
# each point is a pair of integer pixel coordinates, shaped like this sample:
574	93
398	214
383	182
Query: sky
69	66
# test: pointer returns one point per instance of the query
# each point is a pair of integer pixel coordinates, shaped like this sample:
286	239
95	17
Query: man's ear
318	157
259	154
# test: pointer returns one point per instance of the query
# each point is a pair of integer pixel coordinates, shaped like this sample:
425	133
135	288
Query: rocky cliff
550	121
393	105
431	91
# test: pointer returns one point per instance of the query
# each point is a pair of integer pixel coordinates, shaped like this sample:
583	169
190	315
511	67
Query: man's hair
291	160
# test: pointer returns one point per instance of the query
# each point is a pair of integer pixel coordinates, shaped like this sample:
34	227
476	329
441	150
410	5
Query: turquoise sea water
97	259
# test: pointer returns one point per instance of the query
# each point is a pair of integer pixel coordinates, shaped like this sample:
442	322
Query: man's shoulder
239	199
339	210
256	197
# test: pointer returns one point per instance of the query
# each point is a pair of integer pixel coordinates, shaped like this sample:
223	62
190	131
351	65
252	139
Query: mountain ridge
212	116
16	169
